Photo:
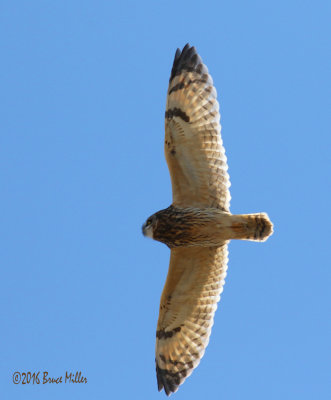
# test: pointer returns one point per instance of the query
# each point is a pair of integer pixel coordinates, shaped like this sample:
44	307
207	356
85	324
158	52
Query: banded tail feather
255	227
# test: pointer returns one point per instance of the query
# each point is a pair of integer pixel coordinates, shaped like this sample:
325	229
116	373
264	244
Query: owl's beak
147	230
144	229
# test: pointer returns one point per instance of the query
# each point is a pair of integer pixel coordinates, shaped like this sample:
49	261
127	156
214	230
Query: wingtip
185	59
163	383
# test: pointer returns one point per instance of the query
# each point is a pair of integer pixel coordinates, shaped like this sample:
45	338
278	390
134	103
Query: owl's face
149	226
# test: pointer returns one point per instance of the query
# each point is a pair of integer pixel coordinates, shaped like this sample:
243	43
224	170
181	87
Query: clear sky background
83	89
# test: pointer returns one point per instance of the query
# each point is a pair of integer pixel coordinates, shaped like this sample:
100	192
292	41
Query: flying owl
198	224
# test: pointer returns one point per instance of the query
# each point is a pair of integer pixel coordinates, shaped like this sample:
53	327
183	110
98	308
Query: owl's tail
256	227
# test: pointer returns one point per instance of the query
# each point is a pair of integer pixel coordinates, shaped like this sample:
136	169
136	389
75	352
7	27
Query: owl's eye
149	221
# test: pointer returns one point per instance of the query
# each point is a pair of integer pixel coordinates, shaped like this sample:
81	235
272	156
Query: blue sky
83	87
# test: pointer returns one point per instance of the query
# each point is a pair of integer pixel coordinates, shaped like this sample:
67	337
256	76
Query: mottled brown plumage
198	224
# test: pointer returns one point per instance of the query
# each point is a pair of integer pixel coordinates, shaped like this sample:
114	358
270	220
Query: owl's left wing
193	145
189	300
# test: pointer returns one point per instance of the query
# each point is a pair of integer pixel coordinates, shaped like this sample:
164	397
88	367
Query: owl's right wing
193	145
189	300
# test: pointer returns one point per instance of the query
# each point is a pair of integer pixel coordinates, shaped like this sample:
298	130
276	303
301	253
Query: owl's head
163	226
149	226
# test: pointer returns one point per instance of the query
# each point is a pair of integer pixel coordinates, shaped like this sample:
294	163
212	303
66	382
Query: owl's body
198	224
190	227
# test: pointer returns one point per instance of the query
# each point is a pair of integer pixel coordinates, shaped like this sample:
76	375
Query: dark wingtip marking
167	380
182	85
187	59
179	86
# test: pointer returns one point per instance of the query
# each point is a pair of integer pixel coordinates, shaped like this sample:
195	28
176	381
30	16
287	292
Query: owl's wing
189	300
193	145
